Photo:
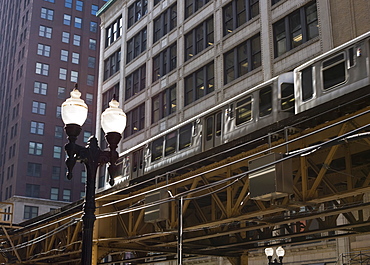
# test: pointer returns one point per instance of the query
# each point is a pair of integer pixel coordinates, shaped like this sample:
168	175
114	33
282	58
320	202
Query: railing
354	258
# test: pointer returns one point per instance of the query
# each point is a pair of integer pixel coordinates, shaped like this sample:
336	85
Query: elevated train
336	74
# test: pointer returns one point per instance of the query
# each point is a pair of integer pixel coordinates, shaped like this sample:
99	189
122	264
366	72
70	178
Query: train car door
137	164
212	131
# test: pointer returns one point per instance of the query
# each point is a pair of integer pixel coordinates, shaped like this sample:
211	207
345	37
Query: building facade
169	61
46	47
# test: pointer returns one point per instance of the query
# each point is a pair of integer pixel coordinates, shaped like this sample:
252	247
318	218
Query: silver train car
330	76
333	74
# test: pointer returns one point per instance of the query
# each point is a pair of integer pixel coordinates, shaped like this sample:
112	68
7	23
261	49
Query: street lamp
113	122
280	252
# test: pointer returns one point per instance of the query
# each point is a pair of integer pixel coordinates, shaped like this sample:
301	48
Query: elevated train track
330	173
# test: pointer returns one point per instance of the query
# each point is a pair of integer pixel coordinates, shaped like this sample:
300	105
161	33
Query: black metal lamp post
113	121
280	252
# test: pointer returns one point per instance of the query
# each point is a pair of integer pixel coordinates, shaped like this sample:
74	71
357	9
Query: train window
307	84
185	136
265	101
209	128
351	56
243	110
157	149
171	143
137	160
218	124
334	71
287	97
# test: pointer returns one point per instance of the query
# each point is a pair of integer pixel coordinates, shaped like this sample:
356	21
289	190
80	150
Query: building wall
32	36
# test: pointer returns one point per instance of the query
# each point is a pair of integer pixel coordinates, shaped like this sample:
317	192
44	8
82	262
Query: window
265	101
112	64
54	194
30	212
94	9
74	76
59	112
199	83
135	120
164	62
243	110
91	62
66	195
157	149
55	173
89	98
38	107
33	169
35	148
32	190
75	57
295	29
62	74
199	38
287	97
334	71
185	134
68	3
135	82
90	80
40	88
92	44
93	26
58	132
78	22
165	22
136	11
43	50
47	13
164	104
307	84
136	45
242	59
192	6
42	69
45	32
76	40
37	127
86	136
176	140
79	5
65	37
57	153
83	176
50	1
113	31
109	95
64	55
67	19
238	12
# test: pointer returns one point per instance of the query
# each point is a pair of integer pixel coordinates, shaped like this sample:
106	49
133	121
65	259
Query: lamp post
113	122
280	252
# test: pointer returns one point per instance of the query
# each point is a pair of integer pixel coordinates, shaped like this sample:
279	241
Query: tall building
46	47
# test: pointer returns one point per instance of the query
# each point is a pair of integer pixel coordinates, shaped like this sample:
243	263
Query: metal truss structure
330	172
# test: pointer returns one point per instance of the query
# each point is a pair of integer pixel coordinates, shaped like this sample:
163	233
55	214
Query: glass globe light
269	252
74	109
113	119
280	252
